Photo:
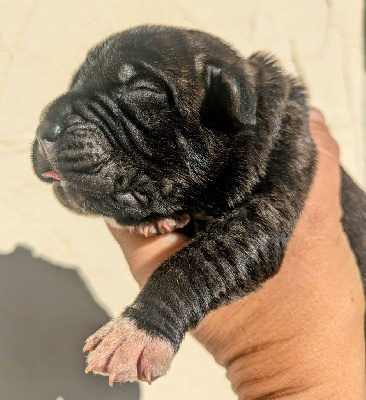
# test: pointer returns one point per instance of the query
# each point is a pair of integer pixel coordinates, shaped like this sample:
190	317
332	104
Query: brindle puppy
165	128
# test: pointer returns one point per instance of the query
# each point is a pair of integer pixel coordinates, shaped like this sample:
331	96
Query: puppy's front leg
227	261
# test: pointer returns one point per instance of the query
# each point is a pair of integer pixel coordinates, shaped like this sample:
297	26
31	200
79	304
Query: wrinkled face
118	148
147	127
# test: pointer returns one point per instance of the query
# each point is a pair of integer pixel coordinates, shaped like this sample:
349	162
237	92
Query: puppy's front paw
161	227
125	353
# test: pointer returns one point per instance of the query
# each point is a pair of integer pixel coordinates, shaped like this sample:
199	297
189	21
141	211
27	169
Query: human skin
301	335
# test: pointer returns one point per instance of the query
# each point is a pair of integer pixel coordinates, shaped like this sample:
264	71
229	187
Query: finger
321	135
316	115
324	192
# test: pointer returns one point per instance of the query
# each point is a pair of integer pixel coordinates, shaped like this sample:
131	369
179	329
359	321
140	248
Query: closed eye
149	84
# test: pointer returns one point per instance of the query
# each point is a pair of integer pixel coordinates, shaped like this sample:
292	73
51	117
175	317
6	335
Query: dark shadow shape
46	313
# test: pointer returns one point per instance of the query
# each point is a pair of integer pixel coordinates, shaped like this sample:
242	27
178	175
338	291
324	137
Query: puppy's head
145	128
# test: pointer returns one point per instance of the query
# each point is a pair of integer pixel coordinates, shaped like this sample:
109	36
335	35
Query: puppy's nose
48	133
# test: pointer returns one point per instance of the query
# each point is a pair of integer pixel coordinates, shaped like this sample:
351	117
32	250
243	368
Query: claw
91	345
146	230
87	347
147	377
112	378
165	226
91	367
88	369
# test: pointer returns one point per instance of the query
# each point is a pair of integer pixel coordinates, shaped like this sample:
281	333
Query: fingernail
316	115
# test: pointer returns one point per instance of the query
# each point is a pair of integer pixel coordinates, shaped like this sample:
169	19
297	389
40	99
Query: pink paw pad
161	227
126	354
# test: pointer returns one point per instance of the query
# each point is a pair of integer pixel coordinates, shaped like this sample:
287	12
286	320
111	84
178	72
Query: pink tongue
52	175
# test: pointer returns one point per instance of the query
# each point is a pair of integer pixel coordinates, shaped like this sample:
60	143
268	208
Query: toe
94	340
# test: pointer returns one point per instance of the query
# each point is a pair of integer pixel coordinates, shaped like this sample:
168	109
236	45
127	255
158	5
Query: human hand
301	334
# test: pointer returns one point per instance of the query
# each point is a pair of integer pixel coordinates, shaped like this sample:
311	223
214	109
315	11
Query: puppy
165	128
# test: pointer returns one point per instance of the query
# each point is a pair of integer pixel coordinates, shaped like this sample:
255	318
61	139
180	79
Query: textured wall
43	41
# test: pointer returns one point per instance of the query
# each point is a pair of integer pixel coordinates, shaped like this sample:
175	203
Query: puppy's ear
229	103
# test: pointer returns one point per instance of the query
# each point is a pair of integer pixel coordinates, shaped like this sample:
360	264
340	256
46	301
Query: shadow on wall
46	313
